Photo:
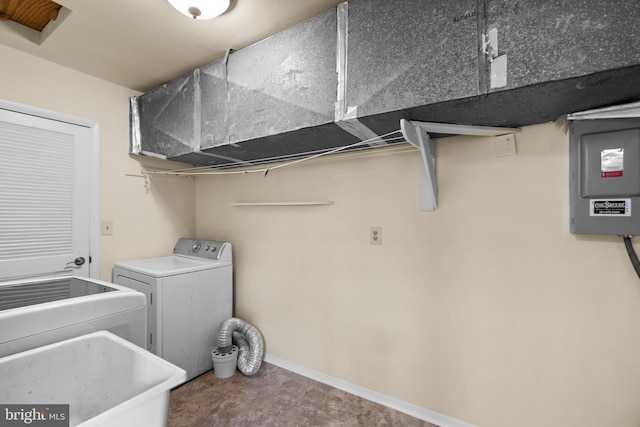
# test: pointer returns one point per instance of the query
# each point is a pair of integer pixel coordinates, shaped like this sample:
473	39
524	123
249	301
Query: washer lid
170	265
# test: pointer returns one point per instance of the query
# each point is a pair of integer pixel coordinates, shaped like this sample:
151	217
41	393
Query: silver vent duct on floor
249	342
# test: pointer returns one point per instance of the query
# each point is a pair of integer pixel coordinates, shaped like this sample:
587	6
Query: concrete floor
275	397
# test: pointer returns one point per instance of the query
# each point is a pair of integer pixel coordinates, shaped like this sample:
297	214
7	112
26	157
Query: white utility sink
105	380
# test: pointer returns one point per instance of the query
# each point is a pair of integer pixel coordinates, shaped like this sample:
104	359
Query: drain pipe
249	342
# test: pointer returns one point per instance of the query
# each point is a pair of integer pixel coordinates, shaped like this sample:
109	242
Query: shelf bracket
420	139
415	133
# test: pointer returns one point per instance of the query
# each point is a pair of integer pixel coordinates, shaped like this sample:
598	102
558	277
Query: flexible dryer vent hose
249	342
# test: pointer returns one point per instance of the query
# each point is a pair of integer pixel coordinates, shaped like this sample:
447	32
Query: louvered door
45	181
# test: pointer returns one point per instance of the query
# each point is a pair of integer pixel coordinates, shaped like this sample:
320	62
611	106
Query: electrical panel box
605	176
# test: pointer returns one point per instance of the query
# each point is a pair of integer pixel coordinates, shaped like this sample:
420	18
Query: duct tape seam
341	59
346	117
197	111
227	110
361	131
135	136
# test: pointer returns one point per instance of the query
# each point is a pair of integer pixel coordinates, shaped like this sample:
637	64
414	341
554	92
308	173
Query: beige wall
487	310
144	224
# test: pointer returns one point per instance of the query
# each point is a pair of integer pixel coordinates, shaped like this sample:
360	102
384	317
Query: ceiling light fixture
201	9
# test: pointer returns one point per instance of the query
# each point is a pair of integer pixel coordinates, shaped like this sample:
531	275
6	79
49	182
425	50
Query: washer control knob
206	248
213	248
195	247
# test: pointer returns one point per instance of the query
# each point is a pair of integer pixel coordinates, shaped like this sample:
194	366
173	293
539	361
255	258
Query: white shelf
250	204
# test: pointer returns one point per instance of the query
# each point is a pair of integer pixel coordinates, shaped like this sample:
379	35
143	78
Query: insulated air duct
352	73
249	342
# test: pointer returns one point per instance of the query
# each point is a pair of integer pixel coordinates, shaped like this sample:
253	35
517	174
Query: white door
45	196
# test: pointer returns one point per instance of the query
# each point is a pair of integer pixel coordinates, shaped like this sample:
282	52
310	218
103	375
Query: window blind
36	192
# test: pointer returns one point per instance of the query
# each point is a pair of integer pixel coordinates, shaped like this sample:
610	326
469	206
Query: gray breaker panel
584	170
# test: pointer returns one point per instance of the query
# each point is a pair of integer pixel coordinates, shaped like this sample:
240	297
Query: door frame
94	196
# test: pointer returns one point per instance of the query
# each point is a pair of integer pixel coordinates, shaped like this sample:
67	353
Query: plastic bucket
224	364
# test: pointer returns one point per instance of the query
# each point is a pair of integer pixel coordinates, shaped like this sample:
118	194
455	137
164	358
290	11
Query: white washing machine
189	296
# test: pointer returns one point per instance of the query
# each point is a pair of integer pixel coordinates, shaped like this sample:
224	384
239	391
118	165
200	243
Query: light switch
107	228
505	145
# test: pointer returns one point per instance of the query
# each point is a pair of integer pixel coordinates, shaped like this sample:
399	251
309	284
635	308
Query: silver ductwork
249	342
353	72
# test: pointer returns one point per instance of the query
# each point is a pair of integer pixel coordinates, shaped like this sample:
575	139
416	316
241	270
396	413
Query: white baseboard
382	399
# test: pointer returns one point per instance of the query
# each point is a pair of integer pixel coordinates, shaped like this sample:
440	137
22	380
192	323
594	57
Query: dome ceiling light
201	9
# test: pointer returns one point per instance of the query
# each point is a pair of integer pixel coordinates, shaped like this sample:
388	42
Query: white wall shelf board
252	204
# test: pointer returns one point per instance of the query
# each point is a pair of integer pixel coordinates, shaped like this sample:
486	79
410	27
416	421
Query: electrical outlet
106	228
375	236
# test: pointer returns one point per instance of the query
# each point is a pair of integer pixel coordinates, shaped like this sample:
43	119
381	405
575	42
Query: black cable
632	254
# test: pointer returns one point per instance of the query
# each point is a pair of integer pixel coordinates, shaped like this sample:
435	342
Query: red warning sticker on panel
612	162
